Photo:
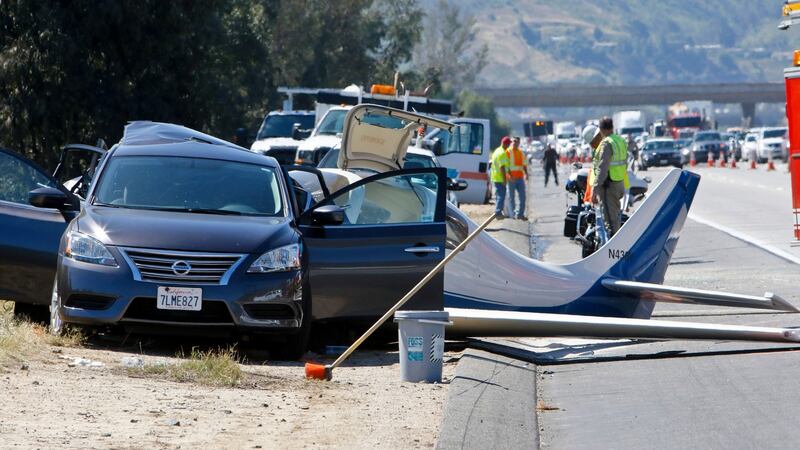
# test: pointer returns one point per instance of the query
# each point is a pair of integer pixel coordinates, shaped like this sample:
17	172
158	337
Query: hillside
630	41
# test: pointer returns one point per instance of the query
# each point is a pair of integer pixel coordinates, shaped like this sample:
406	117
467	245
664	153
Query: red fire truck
791	16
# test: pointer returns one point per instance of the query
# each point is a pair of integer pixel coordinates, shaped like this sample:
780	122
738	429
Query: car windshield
707	137
280	125
774	133
333	122
660	145
329	160
191	185
565	136
750	138
416	161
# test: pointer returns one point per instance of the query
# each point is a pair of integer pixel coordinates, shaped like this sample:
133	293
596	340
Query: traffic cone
722	162
770	165
752	164
733	163
710	160
692	161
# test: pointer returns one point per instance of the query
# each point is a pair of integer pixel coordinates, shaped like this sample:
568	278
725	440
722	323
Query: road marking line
747	238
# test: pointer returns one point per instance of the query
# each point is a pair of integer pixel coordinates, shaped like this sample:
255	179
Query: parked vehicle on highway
629	122
750	146
182	232
705	142
771	143
281	133
326	135
734	149
658	153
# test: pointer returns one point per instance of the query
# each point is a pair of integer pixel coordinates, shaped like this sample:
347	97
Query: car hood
372	147
320	140
184	231
266	144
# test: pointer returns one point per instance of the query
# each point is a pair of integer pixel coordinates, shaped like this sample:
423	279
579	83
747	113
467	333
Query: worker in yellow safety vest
610	174
499	175
518	175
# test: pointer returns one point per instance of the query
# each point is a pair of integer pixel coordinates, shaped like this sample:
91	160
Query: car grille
144	308
164	266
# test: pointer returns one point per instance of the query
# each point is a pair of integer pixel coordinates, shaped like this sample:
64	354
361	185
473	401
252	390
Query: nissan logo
181	267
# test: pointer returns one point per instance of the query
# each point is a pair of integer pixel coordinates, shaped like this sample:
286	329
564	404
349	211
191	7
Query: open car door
30	235
389	233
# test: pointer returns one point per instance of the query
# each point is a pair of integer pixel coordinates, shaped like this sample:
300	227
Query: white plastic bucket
421	338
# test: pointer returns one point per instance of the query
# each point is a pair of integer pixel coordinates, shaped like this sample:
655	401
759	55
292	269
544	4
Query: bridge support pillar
748	114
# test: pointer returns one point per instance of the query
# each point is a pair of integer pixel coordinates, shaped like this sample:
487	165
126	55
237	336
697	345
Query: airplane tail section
641	250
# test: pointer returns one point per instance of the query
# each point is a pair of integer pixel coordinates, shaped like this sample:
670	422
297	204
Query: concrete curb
491	403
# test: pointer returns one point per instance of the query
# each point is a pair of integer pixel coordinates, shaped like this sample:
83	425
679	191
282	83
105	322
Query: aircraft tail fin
642	248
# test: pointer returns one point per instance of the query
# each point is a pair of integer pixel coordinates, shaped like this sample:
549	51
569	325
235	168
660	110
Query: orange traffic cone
770	165
710	160
752	164
692	161
722	162
733	163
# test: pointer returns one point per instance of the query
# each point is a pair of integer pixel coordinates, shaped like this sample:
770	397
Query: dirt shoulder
84	397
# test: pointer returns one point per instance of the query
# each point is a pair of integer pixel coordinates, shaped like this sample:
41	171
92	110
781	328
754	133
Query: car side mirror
47	197
456	184
327	215
437	147
299	134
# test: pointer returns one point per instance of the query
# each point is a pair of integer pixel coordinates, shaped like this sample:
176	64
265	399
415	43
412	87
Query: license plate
664	161
179	298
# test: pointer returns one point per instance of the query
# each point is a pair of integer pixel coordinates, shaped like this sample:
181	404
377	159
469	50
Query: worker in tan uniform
609	167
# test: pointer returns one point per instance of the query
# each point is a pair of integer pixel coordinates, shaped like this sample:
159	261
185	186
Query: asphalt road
683	394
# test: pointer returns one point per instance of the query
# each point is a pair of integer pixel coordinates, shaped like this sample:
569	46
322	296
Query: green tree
448	46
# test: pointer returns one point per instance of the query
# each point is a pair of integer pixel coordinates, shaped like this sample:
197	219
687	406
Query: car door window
466	138
18	177
406	198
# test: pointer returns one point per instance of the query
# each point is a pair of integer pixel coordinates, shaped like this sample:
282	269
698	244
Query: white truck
567	138
468	151
629	122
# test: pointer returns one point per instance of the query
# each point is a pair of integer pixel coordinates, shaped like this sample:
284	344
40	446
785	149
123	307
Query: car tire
31	313
57	325
296	345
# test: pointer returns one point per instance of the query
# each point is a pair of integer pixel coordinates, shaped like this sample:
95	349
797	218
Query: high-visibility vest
517	162
499	159
618	167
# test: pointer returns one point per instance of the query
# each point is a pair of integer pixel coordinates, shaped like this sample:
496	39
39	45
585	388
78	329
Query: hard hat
589	133
505	141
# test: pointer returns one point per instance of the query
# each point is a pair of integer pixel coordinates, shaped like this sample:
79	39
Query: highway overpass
746	94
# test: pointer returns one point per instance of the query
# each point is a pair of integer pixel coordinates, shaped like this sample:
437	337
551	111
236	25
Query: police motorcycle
584	223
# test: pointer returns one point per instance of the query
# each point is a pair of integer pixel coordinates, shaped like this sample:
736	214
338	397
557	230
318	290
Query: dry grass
21	340
210	368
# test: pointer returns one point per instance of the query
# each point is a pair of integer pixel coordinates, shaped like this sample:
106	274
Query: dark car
709	142
184	233
660	152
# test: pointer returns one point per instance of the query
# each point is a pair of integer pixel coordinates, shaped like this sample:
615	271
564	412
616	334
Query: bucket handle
435	322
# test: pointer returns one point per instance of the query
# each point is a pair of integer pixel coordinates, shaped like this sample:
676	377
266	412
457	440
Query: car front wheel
56	321
297	343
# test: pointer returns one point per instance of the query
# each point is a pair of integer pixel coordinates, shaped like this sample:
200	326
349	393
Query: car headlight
280	259
82	247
